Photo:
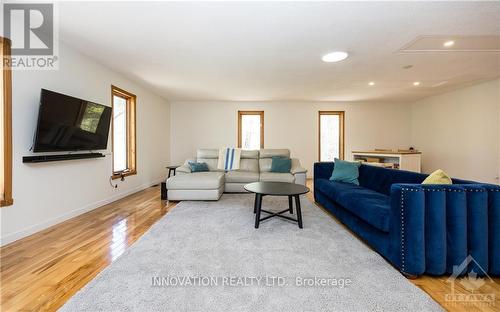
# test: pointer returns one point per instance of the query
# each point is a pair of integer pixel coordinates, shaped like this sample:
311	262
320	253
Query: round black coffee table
276	189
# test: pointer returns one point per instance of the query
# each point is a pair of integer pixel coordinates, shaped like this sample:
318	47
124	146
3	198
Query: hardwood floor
42	271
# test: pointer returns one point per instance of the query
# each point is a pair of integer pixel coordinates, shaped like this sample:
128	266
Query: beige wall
288	125
459	132
48	193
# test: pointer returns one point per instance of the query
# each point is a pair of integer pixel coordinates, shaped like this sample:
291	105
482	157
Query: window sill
126	174
6	202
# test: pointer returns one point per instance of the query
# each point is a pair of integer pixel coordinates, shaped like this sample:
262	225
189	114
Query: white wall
459	132
291	125
48	193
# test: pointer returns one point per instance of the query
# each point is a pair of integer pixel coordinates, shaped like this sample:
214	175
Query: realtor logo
471	283
31	27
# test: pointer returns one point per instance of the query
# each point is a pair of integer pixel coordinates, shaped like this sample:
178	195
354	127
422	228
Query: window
5	125
331	135
124	147
251	129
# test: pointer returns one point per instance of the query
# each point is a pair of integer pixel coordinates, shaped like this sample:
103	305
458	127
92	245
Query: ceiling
271	51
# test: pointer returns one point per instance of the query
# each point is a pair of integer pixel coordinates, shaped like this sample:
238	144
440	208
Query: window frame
131	100
7	122
341	115
240	116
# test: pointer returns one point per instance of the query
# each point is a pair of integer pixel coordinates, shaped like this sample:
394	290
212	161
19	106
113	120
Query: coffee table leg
255	203
299	211
258	201
290	204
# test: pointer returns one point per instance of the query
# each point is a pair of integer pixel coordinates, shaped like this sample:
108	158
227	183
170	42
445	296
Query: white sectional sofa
255	166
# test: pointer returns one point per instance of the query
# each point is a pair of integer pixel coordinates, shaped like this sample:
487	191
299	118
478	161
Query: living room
293	84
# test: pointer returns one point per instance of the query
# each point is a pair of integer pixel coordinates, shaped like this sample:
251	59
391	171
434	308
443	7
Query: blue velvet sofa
420	229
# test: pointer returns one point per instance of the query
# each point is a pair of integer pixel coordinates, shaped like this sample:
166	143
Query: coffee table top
276	188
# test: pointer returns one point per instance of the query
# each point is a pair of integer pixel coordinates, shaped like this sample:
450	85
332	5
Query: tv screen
66	123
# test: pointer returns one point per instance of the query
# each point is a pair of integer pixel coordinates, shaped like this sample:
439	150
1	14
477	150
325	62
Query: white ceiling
272	50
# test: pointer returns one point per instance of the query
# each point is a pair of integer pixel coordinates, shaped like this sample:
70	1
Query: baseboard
71	214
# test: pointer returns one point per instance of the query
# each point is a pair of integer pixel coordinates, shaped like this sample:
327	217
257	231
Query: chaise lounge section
420	229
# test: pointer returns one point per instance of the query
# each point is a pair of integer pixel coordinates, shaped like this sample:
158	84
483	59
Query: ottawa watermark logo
473	283
33	32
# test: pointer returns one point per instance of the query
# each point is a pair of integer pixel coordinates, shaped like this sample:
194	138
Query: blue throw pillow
281	164
345	171
198	166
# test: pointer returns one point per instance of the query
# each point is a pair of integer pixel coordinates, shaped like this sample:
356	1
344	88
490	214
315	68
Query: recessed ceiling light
371	83
336	56
416	83
449	43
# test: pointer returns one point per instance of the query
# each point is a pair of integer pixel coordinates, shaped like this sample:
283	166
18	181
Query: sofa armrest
296	167
185	167
407	229
494	227
432	224
323	170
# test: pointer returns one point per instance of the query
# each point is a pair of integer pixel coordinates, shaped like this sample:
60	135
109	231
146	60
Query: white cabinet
404	160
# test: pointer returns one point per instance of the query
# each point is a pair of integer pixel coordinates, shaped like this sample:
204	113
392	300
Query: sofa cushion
276	177
247	164
368	205
266	155
269	152
207	153
196	181
210	156
281	164
330	188
438	177
198	166
248	161
242	176
265	164
211	163
345	171
381	179
249	154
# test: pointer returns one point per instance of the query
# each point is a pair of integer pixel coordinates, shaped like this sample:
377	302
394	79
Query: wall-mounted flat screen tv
67	123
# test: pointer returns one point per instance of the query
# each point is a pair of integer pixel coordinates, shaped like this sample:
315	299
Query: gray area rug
207	256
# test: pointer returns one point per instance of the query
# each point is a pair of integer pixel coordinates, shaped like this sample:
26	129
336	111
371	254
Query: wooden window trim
131	132
240	115
7	114
341	115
